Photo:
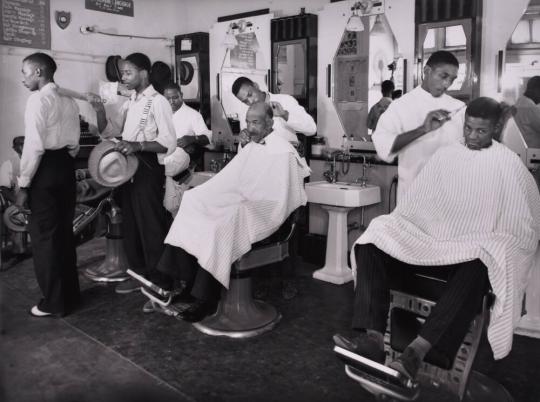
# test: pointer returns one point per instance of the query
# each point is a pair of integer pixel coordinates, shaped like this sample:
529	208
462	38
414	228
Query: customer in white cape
474	210
244	203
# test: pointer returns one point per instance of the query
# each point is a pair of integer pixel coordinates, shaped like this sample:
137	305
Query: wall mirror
522	53
290	66
363	60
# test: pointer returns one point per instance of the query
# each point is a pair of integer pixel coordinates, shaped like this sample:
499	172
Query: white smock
408	113
244	203
468	205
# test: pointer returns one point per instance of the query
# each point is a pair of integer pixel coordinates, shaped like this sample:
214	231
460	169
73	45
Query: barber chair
442	377
238	315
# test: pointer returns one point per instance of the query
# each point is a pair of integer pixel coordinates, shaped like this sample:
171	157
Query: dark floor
110	351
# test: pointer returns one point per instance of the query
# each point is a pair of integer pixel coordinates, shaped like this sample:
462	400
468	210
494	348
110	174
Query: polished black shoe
408	364
363	344
197	311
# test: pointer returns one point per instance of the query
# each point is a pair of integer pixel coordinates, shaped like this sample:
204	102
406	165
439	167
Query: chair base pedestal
239	315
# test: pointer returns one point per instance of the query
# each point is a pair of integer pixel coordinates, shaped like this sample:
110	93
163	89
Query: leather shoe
408	363
363	345
36	312
197	311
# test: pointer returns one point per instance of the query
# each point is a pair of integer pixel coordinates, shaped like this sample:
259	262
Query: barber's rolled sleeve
299	120
388	128
166	135
35	131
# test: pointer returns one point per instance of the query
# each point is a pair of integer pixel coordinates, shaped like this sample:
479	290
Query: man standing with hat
47	185
145	123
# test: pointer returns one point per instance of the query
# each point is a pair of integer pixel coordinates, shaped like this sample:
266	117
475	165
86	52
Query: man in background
527	115
10	170
387	88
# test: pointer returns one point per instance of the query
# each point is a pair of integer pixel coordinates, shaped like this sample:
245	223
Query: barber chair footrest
250	319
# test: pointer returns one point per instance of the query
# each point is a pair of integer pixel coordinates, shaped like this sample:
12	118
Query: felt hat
112	69
111	168
186	72
15	219
176	162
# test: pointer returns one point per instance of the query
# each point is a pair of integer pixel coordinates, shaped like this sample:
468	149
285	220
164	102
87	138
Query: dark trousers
178	264
52	202
449	320
145	221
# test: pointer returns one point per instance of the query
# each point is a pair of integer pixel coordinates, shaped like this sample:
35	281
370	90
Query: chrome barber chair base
114	268
230	323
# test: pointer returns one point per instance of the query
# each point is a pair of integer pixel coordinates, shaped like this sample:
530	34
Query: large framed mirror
362	62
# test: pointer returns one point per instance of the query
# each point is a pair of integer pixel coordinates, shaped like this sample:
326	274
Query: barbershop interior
269	200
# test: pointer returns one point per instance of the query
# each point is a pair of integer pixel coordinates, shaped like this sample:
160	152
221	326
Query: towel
244	203
465	205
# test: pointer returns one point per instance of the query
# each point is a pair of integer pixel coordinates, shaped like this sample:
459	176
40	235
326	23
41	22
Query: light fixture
359	8
378	27
229	41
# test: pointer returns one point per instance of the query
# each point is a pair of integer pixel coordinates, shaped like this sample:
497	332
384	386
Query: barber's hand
21	200
127	147
94	100
279	111
244	137
184	141
435	119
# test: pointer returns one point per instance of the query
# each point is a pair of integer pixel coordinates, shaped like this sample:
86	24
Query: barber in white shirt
289	117
47	184
421	121
191	131
147	130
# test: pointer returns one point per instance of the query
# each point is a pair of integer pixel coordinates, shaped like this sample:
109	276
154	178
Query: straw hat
111	168
15	219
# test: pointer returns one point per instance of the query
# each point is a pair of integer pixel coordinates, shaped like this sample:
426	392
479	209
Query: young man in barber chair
473	210
220	220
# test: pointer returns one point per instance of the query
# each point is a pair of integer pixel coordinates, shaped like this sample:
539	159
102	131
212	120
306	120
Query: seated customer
9	170
473	209
244	203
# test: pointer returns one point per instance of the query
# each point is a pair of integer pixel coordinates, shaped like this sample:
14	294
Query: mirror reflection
290	67
371	53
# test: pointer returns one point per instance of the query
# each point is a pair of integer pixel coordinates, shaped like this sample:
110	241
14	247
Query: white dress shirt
187	121
159	125
299	120
408	113
527	118
51	122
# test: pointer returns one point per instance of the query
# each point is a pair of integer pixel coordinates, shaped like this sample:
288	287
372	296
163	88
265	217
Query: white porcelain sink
342	194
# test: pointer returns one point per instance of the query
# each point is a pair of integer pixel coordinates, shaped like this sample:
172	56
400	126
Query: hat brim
14	219
112	70
101	150
186	72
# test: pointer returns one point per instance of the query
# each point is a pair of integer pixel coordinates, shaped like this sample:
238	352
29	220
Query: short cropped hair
485	108
239	83
45	62
387	87
533	86
19	140
140	60
172	85
442	57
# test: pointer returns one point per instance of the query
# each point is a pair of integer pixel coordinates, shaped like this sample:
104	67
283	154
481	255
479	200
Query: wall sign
121	7
244	54
25	23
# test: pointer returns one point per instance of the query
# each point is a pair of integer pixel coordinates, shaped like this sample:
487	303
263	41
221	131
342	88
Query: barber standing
47	185
421	121
145	122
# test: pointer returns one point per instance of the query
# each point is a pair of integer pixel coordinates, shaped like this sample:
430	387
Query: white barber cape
466	205
408	113
244	203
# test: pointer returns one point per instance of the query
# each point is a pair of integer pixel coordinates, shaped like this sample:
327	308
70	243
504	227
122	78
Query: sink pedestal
336	270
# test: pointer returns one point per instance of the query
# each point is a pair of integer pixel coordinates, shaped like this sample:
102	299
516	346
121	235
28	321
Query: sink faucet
364	179
331	175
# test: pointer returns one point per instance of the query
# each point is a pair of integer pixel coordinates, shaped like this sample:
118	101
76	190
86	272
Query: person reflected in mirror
527	110
387	87
397	94
191	131
289	117
9	171
421	121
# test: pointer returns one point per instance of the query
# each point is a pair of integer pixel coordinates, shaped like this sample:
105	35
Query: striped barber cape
465	205
244	203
